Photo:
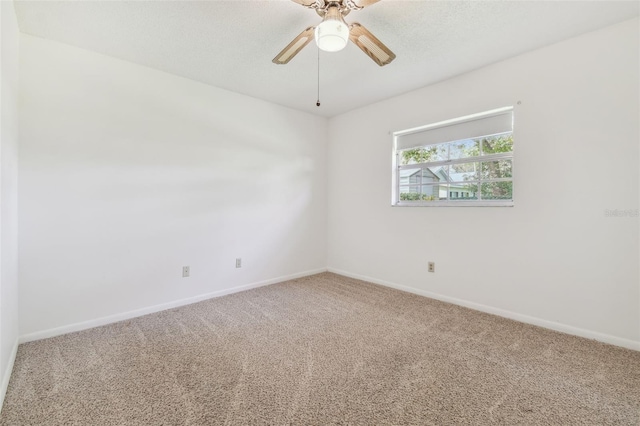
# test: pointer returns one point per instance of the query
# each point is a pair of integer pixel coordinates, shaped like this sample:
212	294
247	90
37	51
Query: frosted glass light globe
332	35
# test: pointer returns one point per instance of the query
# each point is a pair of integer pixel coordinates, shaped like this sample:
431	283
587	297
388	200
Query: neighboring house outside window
465	161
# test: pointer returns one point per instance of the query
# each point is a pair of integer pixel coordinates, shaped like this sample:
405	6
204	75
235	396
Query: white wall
554	259
127	174
8	193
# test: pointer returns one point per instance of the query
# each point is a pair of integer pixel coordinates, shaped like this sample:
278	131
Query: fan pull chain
318	100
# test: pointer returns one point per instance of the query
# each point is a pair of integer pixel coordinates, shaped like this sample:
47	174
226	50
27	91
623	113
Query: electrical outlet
238	263
432	266
185	271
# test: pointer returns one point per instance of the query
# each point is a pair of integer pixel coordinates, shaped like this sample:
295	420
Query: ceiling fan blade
358	4
307	3
294	47
370	45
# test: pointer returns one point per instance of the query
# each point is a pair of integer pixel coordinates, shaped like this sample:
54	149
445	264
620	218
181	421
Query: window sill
500	203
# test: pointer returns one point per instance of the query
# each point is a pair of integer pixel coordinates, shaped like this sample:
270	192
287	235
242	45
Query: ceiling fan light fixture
332	34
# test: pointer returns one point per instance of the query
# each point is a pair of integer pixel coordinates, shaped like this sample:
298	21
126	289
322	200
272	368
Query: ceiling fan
333	33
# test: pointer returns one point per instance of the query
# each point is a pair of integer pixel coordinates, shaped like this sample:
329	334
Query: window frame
458	202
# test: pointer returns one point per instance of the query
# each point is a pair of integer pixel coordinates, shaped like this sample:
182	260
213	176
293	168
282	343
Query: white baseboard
7	373
556	326
44	334
576	331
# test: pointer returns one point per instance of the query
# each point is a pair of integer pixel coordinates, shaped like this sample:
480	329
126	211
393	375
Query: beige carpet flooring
317	351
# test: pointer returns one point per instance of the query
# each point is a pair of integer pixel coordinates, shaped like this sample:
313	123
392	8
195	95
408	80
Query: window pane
463	172
464	149
496	169
409	176
440	152
497	144
431	192
424	155
463	191
417	193
435	174
410	193
497	190
411	156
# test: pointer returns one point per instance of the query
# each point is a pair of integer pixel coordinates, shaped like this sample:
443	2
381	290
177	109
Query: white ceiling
230	44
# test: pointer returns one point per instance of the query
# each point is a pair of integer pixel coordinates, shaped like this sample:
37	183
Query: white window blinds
490	123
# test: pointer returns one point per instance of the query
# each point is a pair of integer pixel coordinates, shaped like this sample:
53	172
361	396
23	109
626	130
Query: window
467	161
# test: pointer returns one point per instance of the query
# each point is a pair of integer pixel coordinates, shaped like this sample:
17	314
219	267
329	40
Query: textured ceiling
230	44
